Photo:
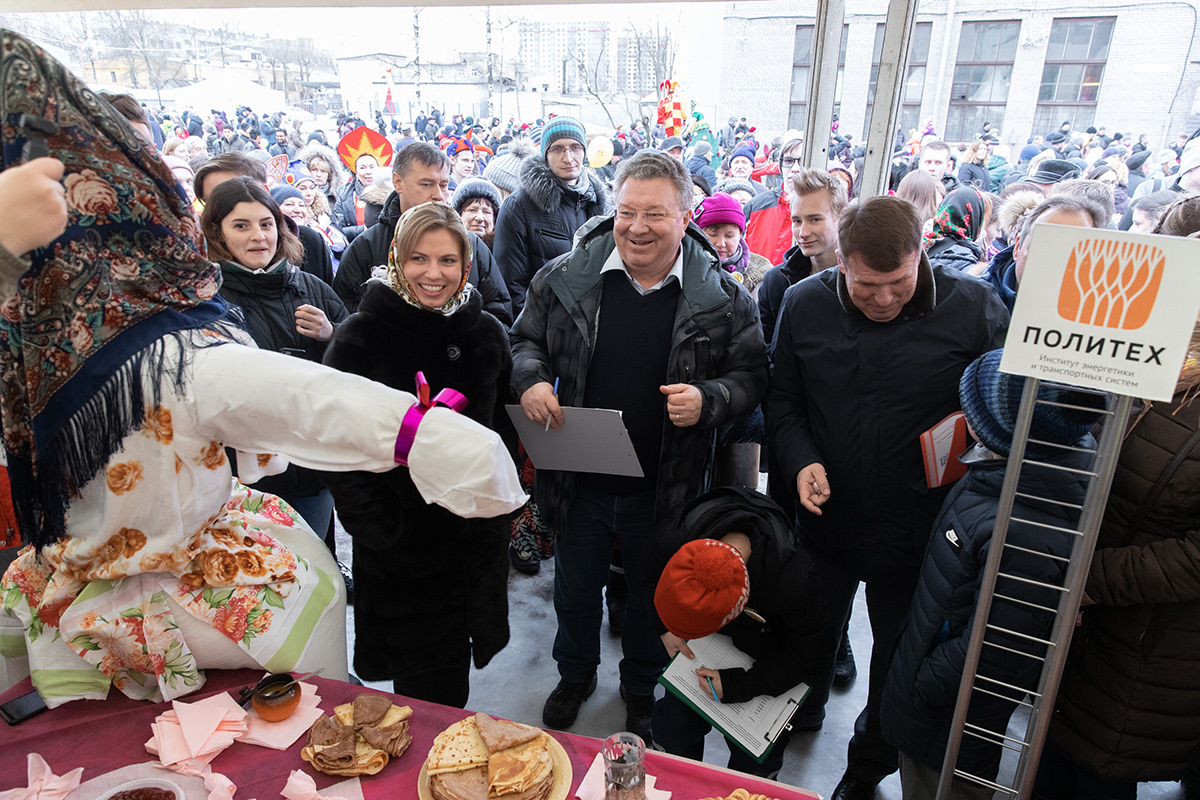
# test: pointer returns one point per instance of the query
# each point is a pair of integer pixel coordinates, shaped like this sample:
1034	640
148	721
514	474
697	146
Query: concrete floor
516	682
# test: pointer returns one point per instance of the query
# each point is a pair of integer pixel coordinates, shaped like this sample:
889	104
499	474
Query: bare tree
656	50
593	75
138	37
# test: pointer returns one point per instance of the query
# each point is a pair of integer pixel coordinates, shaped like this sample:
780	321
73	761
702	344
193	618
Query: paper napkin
43	783
191	735
301	786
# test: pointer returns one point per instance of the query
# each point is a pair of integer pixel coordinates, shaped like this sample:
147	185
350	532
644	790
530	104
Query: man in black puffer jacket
538	222
922	684
788	634
420	174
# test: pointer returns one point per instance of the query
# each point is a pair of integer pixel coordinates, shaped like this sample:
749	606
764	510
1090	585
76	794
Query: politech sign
1105	310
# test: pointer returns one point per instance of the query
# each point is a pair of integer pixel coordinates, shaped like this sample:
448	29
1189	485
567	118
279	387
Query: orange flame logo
1111	284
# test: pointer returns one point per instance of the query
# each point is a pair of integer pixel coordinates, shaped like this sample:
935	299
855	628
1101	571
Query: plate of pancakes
483	758
359	738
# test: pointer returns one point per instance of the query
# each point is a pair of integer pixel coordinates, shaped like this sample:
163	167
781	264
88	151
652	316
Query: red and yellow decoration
363	141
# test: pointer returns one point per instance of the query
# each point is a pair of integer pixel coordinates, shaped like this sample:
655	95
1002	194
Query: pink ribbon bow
450	398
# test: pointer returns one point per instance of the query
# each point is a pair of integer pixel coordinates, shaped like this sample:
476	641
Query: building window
914	80
982	76
1075	60
801	72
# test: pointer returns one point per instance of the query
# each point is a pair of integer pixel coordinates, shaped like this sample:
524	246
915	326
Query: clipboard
590	440
754	726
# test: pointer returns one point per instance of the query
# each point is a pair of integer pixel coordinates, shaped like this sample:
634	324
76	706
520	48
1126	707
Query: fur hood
379	190
340	175
756	270
545	189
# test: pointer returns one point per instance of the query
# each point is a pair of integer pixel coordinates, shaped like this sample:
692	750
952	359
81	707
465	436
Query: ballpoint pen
712	688
551	416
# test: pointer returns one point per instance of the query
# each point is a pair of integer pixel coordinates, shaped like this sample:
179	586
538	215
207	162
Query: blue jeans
581	560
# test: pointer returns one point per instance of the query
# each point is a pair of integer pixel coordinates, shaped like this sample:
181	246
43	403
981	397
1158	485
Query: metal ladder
1050	652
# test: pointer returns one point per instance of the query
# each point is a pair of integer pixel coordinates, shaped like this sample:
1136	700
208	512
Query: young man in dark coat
865	359
420	174
678	350
922	685
782	621
557	195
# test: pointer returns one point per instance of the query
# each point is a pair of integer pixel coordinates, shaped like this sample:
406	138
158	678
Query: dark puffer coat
717	346
1129	706
922	683
371	250
796	643
855	395
430	587
538	222
958	254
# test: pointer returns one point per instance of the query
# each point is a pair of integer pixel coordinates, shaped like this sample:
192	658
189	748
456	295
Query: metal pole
889	88
818	118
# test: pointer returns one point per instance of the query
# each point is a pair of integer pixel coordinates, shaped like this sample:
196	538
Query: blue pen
712	688
550	416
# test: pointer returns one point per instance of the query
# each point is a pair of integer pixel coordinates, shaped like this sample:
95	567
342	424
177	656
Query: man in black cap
1138	165
1052	171
673	146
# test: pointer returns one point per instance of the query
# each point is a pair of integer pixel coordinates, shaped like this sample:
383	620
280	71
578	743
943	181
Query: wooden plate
560	789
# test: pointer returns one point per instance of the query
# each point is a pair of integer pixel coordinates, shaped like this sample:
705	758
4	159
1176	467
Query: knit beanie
702	589
731	185
991	399
1029	151
720	209
1190	158
282	191
702	149
562	128
504	171
618	147
473	189
745	151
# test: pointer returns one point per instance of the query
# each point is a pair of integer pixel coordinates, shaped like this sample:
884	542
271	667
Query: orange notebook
940	445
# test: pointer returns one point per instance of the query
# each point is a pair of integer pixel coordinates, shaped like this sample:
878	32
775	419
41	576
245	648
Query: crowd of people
725	297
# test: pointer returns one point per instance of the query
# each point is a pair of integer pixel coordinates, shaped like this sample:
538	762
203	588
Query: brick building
1024	71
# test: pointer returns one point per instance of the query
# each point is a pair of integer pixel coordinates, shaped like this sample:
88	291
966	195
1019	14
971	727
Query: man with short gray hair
639	317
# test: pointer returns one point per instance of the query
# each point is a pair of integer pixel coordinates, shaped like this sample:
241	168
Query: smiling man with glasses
557	195
769	215
638	317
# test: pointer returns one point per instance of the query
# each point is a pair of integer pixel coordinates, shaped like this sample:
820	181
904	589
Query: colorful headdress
297	174
276	168
459	144
363	141
90	313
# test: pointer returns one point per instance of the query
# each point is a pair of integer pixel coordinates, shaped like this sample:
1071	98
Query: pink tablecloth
104	735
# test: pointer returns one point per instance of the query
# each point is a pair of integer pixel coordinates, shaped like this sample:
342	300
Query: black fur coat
430	587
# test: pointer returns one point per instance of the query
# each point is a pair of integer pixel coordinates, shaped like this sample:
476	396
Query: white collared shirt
614	262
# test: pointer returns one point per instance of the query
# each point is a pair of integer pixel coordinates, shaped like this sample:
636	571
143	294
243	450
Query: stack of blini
359	738
481	758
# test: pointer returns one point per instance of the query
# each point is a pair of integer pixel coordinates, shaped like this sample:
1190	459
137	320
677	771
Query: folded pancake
326	731
501	734
392	739
526	768
366	761
458	748
468	784
370	709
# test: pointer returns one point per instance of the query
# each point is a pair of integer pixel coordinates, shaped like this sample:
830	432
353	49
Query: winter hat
282	191
744	151
670	143
618	147
1137	160
1190	158
731	185
702	149
991	399
702	589
1164	156
504	170
720	209
1054	170
474	189
1029	151
1055	138
1112	151
562	128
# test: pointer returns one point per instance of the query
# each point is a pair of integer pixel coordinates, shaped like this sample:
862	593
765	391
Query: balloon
600	152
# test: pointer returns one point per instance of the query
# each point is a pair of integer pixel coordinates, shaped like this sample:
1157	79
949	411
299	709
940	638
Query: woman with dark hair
451	604
953	241
1109	175
287	310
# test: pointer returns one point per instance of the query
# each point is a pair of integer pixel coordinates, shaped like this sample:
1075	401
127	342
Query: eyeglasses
651	218
559	150
788	162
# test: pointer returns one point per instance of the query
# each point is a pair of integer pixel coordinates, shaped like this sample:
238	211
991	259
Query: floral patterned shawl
960	217
129	269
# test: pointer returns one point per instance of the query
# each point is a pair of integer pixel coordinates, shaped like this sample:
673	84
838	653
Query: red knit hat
703	587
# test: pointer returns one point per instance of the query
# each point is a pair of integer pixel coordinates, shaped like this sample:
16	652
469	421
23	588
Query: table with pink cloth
104	735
